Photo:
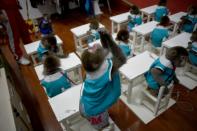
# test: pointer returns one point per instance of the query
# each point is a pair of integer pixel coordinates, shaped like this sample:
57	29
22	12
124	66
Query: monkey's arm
157	76
108	43
118	57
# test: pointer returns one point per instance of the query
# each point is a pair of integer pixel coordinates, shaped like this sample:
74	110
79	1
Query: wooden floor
181	117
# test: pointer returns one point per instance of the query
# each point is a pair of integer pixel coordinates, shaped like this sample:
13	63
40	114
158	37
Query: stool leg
159	97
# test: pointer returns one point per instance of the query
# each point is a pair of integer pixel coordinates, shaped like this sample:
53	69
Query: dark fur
175	53
164	21
51	65
123	35
92	61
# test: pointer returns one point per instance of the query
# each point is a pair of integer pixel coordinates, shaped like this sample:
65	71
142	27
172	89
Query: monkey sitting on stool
101	88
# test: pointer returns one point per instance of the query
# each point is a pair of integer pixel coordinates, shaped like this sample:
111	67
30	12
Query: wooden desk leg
163	50
112	27
34	60
61	49
118	26
76	42
174	29
142	43
134	40
80	45
129	92
142	16
148	19
80	74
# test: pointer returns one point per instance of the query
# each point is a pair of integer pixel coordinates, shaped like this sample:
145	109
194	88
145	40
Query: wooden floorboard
176	118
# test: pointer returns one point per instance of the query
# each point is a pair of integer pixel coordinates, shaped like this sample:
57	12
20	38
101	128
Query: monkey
134	18
55	80
192	46
162	71
48	45
124	43
101	87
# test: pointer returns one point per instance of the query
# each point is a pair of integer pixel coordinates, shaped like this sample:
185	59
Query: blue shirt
41	50
134	21
158	35
193	54
166	67
160	12
55	84
126	49
189	27
93	36
101	92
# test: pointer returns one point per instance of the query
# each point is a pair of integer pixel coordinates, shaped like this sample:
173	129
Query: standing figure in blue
101	88
160	33
134	17
162	71
161	10
189	21
124	43
93	31
45	25
55	80
193	49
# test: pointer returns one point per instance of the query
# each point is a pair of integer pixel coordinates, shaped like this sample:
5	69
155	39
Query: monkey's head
123	35
192	10
93	58
51	64
165	20
134	10
177	55
94	24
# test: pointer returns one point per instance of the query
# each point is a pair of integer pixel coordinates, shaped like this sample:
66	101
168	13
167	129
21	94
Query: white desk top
120	18
175	18
99	41
6	115
66	104
32	47
179	40
149	10
146	28
137	65
82	30
72	61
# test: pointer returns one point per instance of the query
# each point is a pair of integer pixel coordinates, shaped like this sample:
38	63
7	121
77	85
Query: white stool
158	102
190	71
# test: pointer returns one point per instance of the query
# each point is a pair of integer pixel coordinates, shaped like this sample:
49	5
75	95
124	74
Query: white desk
72	62
175	19
118	20
149	11
66	104
143	30
135	67
31	48
79	33
179	40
